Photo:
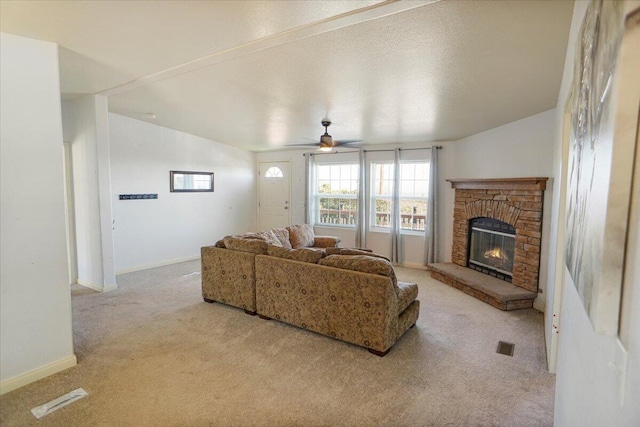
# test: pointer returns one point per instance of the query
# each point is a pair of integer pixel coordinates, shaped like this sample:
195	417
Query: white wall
35	326
175	226
523	148
593	386
86	129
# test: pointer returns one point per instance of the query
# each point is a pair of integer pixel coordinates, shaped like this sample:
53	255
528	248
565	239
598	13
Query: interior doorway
274	207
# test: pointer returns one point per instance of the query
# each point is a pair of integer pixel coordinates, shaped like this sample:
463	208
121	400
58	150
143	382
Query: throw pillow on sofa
270	237
363	263
276	237
301	236
282	234
302	254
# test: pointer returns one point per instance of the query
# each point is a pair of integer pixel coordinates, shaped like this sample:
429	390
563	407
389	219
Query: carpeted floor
153	353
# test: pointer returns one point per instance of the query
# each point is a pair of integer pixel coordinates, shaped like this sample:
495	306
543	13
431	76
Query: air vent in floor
505	348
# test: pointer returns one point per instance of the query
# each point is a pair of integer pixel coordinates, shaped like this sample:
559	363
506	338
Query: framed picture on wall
600	165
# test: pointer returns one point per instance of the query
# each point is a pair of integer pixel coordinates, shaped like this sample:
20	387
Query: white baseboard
157	264
37	374
100	288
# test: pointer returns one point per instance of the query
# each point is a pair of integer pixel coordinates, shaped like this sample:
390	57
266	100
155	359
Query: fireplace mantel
530	184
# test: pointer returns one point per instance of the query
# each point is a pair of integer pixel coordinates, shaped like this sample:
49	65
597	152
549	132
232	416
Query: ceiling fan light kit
326	142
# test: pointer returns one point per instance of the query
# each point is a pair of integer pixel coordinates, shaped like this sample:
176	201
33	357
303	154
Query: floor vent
505	348
55	404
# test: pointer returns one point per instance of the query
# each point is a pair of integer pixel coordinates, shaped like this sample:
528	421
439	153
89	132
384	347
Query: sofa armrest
326	241
229	277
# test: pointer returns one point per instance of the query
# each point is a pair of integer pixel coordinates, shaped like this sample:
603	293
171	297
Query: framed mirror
189	182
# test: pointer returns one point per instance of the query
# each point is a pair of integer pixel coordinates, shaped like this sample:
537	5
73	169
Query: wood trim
531	184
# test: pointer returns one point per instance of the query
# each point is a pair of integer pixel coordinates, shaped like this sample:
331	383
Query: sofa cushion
302	254
354	251
220	244
363	263
301	236
408	292
256	246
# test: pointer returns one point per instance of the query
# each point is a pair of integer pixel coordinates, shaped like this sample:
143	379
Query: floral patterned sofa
347	294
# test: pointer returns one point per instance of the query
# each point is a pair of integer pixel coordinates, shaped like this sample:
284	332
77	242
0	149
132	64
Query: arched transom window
274	172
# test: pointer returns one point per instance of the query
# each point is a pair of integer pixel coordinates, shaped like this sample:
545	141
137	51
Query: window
336	194
182	181
414	187
382	190
274	172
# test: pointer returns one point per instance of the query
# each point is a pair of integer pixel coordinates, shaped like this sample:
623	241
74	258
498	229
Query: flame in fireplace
497	256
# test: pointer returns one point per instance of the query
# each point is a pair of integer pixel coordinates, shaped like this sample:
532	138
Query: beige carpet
153	353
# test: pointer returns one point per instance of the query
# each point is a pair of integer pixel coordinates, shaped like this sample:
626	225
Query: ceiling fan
327	142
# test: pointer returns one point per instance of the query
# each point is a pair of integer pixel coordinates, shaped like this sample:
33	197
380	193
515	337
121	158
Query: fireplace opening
491	247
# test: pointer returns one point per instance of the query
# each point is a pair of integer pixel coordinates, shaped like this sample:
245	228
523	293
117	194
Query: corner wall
35	299
173	228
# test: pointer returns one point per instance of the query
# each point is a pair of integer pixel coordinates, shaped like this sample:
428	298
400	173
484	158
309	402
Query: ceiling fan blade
347	141
309	144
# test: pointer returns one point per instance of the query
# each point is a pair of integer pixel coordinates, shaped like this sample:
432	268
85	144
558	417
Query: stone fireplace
496	240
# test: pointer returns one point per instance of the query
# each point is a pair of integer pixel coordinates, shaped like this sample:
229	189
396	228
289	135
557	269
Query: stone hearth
496	292
515	201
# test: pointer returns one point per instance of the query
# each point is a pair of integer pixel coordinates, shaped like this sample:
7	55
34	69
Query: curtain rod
439	147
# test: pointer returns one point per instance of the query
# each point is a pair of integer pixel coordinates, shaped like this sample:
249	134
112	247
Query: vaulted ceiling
262	74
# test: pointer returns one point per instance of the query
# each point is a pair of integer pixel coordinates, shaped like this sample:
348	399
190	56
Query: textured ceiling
260	75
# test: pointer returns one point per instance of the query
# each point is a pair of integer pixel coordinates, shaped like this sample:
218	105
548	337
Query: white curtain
360	215
431	225
310	205
396	236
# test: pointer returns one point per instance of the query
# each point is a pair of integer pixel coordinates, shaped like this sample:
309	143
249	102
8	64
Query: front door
273	207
